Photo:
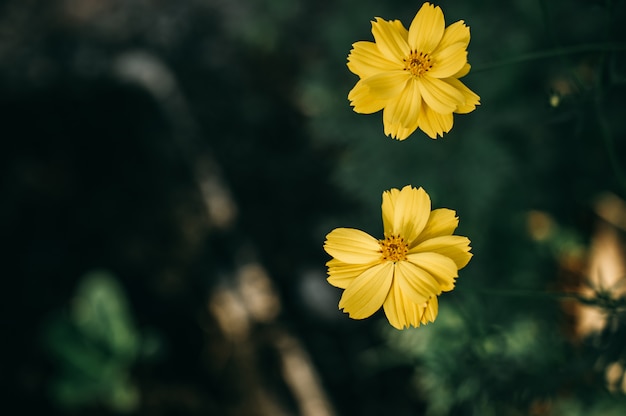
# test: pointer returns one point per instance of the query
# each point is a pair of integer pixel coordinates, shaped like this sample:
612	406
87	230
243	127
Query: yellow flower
412	75
405	272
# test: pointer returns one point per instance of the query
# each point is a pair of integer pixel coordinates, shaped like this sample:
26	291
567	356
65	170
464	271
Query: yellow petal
401	30
387	85
439	95
387	208
402	113
433	123
471	99
416	283
390	39
464	71
448	61
430	311
394	308
366	293
400	311
341	274
457	32
364	102
455	247
442	268
442	221
411	212
352	246
427	28
365	60
426	125
397	131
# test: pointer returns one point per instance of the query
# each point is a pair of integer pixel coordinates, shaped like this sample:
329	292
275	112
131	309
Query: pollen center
393	248
418	63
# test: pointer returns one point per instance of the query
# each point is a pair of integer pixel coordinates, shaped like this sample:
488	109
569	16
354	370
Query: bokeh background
170	170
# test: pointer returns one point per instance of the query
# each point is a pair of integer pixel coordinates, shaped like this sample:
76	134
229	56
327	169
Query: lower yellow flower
417	260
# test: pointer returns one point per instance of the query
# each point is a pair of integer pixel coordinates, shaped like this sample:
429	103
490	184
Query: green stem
568	50
599	300
603	122
527	293
607	138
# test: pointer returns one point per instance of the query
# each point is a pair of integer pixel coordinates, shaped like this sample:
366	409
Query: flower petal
411	212
439	266
341	274
448	61
367	292
397	131
427	29
387	85
471	99
433	123
389	202
430	311
352	246
439	95
365	60
401	30
416	283
455	33
442	221
362	101
400	116
464	71
390	37
455	247
400	311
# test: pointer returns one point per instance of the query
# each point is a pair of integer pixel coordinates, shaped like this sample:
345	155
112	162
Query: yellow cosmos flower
417	260
413	75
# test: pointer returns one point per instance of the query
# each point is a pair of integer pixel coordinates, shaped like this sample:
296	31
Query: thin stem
607	138
567	50
529	293
551	34
602	120
600	299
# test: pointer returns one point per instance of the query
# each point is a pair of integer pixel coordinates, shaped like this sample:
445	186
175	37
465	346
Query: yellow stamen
418	63
393	248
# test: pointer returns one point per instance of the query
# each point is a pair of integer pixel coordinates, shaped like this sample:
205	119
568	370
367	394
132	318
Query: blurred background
170	170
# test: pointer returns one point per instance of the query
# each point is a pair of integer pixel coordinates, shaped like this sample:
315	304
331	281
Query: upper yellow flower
413	75
405	272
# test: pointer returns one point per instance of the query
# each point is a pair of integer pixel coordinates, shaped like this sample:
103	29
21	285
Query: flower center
418	63
393	248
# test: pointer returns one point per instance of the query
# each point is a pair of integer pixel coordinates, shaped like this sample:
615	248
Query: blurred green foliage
93	344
